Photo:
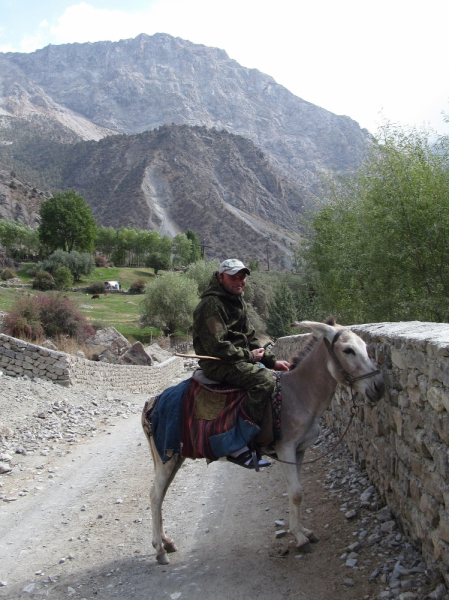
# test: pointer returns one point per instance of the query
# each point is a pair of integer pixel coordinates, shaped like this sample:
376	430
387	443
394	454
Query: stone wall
19	358
404	439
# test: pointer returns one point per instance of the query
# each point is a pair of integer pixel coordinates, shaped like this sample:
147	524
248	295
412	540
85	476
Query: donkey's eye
348	351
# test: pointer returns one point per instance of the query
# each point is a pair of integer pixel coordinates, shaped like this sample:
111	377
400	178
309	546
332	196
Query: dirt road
82	529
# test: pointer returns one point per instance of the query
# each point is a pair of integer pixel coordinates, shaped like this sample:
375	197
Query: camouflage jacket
221	328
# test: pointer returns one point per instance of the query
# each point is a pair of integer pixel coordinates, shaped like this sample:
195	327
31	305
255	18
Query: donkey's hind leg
163	476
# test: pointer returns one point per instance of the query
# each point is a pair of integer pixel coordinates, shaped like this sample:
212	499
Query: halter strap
349	379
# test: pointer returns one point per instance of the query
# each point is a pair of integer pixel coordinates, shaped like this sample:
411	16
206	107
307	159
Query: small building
111	285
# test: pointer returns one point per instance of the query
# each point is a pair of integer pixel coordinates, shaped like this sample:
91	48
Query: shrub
100	261
52	315
96	287
201	272
43	281
60	316
7	274
23	320
169	302
137	287
63	278
78	263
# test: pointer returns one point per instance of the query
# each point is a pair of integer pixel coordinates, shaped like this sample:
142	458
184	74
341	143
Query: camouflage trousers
256	381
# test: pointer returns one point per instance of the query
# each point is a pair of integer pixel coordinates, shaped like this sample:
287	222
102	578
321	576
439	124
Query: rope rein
349	380
308	462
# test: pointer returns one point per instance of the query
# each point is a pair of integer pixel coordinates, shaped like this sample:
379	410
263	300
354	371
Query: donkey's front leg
292	474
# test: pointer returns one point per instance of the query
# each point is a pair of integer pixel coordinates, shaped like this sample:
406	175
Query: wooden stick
196	356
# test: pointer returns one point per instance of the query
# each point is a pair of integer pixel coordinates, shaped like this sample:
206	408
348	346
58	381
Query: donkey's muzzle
376	388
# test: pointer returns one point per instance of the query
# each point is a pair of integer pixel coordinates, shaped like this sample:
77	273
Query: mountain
177	177
19	201
131	86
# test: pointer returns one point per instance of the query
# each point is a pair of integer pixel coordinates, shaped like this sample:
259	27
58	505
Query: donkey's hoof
306	548
313	539
170	546
163	559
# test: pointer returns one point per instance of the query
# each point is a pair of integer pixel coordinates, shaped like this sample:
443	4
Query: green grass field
118	310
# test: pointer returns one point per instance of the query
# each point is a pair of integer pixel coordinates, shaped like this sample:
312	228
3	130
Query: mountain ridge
138	84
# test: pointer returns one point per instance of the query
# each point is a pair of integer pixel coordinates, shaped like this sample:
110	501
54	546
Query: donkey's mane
304	352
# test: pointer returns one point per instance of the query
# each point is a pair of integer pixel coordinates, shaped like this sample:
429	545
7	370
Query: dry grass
71	346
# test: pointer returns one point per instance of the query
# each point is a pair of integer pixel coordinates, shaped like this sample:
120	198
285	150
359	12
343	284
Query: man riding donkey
221	329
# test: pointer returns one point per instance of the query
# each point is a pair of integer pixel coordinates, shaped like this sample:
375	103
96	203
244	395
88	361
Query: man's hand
258	354
281	365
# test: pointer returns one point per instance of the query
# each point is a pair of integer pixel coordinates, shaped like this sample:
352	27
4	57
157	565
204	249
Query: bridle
349	380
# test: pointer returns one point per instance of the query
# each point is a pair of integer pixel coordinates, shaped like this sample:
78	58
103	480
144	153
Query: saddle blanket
208	421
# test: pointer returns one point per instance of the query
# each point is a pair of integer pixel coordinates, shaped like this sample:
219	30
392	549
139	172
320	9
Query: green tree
181	250
201	272
254	265
195	251
67	223
105	240
158	262
282	311
18	239
379	250
169	302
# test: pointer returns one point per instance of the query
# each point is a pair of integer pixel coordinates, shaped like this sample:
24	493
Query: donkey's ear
318	329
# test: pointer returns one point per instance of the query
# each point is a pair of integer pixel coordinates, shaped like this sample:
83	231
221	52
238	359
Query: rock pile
109	339
40	418
379	547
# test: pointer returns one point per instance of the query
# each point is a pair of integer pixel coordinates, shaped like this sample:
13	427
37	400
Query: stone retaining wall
19	358
404	439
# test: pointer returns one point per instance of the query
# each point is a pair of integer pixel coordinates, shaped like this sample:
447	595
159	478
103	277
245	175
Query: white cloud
84	23
44	23
7	48
29	43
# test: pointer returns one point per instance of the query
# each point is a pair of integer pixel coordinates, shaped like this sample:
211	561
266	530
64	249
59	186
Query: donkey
334	355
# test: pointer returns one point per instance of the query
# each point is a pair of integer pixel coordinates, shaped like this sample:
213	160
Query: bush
43	281
7	274
96	287
63	278
201	272
169	302
78	263
137	287
100	261
51	315
60	316
23	320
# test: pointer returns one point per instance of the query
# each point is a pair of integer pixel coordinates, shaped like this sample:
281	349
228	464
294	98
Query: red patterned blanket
213	410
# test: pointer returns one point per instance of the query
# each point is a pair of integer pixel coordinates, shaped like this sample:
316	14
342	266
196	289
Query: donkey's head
348	360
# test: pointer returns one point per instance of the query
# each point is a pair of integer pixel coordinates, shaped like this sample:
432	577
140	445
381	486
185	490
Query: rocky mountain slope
177	177
135	85
19	201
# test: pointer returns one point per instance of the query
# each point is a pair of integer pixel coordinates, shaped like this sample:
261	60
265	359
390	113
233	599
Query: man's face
233	284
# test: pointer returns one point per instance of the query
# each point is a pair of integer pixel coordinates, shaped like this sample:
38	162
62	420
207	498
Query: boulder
157	354
111	339
108	356
136	355
49	345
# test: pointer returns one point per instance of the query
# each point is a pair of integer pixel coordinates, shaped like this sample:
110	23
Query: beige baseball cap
231	266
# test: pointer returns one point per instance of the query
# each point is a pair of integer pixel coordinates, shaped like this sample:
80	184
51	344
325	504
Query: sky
373	61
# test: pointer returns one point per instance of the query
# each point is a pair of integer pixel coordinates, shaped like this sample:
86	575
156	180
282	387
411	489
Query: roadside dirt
83	529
